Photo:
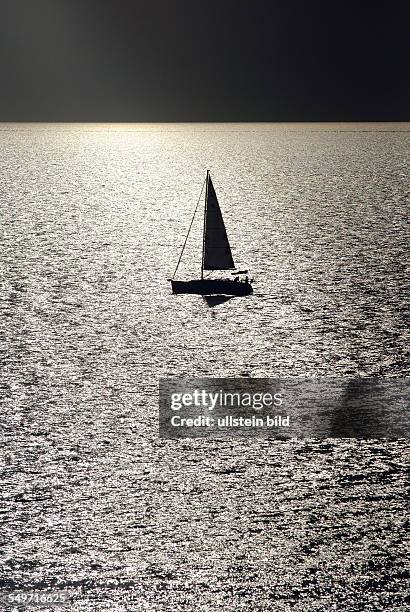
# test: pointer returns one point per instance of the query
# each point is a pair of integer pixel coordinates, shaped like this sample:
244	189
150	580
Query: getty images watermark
221	407
284	408
213	402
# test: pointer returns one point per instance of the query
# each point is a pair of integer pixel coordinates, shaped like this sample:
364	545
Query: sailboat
216	253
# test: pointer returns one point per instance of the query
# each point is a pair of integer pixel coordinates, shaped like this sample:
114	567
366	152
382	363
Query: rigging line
189	229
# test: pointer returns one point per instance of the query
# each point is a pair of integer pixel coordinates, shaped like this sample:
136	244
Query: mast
204	228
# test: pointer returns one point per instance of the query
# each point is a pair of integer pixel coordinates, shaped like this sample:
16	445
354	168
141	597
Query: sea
93	502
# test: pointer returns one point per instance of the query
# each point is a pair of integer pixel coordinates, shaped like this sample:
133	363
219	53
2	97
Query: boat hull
212	287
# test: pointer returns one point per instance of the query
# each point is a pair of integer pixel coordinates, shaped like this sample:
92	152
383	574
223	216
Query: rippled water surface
92	220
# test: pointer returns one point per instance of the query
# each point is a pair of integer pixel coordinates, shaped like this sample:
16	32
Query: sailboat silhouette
216	254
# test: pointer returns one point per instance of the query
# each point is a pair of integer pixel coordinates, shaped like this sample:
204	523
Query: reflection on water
215	300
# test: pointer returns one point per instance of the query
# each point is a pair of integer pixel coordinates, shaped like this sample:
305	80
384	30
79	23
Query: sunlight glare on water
93	218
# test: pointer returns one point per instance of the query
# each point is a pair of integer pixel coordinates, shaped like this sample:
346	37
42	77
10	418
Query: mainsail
217	251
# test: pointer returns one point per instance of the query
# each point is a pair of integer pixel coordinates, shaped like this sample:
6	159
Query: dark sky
197	60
